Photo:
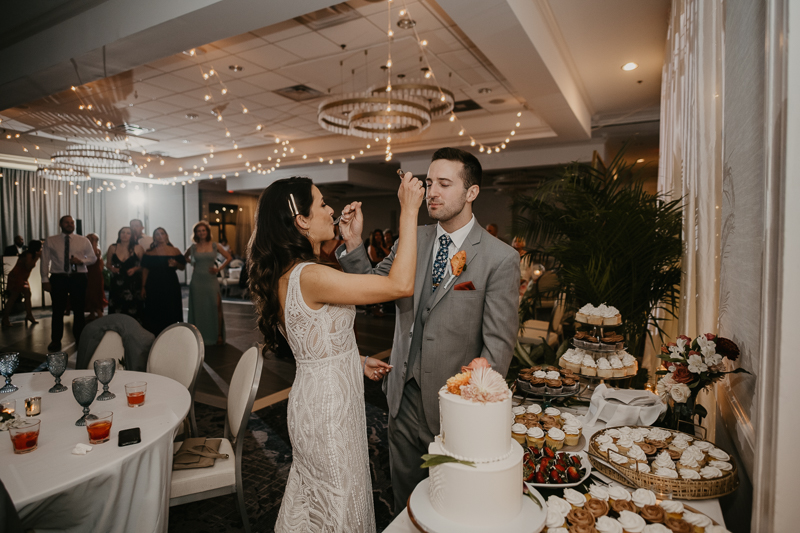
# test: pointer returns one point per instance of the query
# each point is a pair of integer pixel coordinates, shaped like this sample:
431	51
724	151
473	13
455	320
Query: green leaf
437	459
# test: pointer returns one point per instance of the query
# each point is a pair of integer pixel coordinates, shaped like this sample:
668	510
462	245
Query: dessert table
111	488
711	508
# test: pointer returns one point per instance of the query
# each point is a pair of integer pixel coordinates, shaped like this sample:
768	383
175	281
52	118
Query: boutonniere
459	263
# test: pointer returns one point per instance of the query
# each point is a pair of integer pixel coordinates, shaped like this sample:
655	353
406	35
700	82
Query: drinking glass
25	436
84	389
8	365
33	406
135	392
9	406
104	370
99	428
57	364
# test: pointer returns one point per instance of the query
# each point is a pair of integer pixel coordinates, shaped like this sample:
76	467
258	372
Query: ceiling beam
118	35
522	40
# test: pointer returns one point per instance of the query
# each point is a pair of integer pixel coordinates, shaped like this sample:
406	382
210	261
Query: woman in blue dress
205	303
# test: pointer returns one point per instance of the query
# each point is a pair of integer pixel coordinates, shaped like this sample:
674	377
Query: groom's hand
351	225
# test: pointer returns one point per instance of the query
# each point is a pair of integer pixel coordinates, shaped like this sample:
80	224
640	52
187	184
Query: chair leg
192	421
240	501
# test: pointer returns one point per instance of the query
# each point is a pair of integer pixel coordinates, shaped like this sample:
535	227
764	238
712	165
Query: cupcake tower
548	381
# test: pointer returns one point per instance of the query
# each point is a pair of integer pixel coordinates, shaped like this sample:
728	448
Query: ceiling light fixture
236	68
630	66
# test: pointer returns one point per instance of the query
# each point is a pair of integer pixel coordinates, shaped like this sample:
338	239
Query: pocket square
466	286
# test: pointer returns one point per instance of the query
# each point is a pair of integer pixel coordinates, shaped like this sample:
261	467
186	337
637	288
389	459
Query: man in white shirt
138	233
64	261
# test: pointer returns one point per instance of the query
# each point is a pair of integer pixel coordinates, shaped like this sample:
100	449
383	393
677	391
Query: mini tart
678	525
653	514
580	517
597	507
648	449
622	505
674	454
660	444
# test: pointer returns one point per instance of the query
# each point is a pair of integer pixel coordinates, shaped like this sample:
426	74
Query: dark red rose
693	352
664	350
710	336
670	344
726	348
682	374
684	337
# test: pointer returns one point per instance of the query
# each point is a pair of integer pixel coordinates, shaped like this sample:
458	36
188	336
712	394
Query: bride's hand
411	192
376	369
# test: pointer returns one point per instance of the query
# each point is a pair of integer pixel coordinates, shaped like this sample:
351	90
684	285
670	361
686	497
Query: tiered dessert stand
598	349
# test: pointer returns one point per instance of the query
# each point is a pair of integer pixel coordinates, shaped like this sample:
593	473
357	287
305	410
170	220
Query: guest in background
17	248
327	249
492	230
205	303
95	290
388	239
376	249
161	291
17	283
525	266
223	243
139	236
124	259
64	261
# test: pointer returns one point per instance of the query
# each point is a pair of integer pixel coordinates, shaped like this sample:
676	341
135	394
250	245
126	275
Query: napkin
624	407
81	449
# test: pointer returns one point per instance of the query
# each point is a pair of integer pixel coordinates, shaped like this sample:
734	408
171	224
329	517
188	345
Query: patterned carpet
266	462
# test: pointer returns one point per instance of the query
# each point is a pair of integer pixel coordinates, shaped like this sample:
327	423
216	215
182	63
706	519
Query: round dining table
110	488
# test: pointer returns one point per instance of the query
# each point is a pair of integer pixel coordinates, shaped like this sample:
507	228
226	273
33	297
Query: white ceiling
590	39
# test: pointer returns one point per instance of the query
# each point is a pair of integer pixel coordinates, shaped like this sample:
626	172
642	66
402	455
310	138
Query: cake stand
524	388
531	518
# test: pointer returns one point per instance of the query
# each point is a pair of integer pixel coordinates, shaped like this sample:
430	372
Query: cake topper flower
475	364
485	386
455	383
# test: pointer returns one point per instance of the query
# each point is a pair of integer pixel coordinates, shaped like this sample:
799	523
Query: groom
451	319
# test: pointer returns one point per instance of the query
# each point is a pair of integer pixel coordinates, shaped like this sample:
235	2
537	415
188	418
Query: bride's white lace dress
329	487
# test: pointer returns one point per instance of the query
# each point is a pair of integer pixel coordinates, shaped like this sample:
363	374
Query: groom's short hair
471	173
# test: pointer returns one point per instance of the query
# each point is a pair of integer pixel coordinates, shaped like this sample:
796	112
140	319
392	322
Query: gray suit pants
409	437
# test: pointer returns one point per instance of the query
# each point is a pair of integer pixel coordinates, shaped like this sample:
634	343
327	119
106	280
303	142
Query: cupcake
653	513
518	413
558	505
679	445
534	409
618	459
574	498
518	432
656	528
555	413
643	497
672	508
554	519
598	492
622	505
537	385
678	525
696	453
548	422
553	374
580	520
553	386
573	435
703	445
631	522
588	366
597	507
606	524
602	438
555	438
530	420
535	437
617	493
569	385
699	521
604	369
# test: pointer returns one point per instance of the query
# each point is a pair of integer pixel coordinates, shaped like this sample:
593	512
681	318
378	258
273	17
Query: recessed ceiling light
484	90
497	101
630	66
185	141
236	68
192	116
640	160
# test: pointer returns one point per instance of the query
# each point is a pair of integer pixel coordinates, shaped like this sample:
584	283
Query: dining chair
178	353
110	347
225	477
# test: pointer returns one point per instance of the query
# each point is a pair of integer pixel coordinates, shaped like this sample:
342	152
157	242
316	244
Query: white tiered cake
489	493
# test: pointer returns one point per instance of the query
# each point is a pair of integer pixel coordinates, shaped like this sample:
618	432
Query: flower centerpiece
689	367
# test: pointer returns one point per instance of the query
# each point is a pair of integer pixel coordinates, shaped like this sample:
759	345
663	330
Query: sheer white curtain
690	163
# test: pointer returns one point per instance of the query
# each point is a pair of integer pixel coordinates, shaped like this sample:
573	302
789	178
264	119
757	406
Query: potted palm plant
609	240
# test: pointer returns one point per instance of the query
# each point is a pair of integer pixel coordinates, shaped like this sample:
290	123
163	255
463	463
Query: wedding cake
475	416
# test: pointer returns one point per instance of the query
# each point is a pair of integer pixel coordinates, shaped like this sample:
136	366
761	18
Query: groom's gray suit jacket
458	325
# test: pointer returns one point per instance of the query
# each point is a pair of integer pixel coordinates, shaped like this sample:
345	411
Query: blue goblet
8	365
84	389
57	364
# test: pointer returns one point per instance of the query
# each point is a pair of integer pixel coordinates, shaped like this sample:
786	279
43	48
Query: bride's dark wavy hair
275	246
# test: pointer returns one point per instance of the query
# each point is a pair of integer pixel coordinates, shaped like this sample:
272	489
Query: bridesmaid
17	282
126	278
161	290
205	303
95	289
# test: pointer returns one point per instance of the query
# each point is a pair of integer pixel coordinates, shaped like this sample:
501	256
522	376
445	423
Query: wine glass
57	364
84	389
8	365
104	370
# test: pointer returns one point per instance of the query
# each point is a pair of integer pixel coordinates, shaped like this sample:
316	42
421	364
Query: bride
329	487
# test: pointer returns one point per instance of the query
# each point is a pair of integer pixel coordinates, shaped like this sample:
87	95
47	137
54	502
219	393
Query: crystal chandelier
77	162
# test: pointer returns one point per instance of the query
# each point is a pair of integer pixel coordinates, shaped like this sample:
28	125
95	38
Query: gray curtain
31	205
245	223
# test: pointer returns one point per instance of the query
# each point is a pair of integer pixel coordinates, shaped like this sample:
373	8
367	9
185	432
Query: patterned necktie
440	264
66	254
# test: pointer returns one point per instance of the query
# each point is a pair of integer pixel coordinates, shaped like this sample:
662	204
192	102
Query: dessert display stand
523	389
600	349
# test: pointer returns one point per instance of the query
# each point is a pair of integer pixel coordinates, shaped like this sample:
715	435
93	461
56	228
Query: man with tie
453	316
64	261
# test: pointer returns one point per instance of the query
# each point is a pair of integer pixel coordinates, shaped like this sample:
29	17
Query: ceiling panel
239	43
176	83
309	46
355	33
281	31
270	56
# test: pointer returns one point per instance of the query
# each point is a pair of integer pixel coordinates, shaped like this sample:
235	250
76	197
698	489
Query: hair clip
293	206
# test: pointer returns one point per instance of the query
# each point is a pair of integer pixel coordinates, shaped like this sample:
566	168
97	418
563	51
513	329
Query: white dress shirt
145	241
456	239
53	254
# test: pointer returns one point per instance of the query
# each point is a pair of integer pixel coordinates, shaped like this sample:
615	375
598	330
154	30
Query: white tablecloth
711	508
111	488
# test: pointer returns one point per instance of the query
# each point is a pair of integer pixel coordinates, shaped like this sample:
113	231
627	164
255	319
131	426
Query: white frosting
628	359
541	374
603	439
606	524
693	452
571	430
609	446
683	437
519	429
614	433
559	505
554	519
556	434
589	361
666	472
625	430
574	498
671	506
703	445
552	411
534	409
587	309
722	465
598	492
664	461
603	364
642	468
553	375
658	434
697	519
615	362
519	410
637	453
656	528
710	472
625	441
689	474
679	445
482	495
631	522
618	458
536	433
618	493
719	455
642	497
688	462
475	431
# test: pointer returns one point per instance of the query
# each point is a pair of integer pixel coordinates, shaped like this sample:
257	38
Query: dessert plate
585	463
531	518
